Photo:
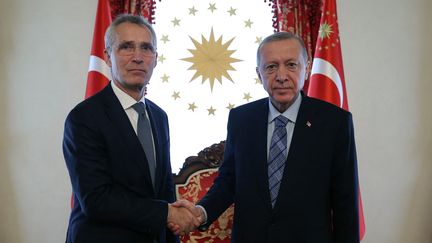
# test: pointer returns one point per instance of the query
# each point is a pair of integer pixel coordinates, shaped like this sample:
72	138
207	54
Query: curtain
137	7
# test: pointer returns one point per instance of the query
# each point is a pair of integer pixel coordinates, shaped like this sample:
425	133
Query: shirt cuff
204	213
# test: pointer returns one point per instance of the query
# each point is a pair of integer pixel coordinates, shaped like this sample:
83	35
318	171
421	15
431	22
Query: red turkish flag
99	73
327	81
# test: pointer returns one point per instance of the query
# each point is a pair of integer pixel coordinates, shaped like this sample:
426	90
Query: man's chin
139	86
285	98
136	82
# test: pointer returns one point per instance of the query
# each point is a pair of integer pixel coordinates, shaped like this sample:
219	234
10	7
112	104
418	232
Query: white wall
44	48
386	47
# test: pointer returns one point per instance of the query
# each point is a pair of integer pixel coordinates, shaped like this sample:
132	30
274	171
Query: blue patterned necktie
277	156
145	137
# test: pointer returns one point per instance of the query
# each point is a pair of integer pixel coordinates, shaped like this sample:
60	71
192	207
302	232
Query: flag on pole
99	73
327	81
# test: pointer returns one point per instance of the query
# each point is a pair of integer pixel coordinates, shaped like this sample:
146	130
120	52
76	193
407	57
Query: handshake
184	217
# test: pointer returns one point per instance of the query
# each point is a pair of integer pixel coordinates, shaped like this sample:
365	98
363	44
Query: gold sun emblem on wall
211	59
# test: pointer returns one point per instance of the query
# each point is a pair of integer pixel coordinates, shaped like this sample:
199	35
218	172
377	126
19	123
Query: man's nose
281	75
137	57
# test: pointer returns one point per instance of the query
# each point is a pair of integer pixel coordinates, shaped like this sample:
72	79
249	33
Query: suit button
203	228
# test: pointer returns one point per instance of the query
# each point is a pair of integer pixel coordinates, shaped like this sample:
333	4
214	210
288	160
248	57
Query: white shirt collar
126	100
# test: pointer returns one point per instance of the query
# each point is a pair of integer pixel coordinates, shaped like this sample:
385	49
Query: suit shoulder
326	107
153	105
250	107
88	107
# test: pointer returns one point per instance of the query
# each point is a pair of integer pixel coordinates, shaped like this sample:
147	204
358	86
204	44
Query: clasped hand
184	217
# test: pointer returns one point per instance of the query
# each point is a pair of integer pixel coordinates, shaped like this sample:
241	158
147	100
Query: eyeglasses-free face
283	71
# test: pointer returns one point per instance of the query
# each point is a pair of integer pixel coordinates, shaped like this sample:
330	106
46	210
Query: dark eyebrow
293	60
133	43
146	44
126	42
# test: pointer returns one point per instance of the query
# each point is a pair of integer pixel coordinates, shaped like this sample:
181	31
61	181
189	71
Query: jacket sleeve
344	186
221	194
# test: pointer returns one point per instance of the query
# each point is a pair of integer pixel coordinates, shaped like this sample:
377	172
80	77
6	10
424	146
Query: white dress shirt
127	102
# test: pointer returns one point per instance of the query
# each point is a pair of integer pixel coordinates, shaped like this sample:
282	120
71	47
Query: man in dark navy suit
116	147
290	161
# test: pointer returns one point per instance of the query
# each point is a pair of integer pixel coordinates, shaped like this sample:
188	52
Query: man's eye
292	65
126	47
270	67
147	48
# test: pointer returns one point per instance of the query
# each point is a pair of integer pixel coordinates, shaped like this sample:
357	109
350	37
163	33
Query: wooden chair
192	183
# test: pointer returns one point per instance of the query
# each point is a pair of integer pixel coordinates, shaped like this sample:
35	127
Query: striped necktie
277	156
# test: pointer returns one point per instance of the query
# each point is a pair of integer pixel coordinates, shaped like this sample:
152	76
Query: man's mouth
137	70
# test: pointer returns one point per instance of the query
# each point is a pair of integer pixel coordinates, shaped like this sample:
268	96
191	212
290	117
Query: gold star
212	7
176	95
211	111
192	107
247	96
248	23
230	106
211	59
232	11
258	39
176	22
161	59
165	78
192	11
258	81
325	30
165	39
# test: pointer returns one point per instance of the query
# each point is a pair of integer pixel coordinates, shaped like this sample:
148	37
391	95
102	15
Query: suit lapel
155	123
259	149
123	127
298	149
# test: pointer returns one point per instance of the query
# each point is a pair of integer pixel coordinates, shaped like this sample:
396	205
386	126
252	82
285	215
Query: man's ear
107	57
258	73
308	69
155	60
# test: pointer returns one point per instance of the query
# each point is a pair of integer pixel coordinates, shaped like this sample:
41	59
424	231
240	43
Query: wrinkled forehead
288	48
131	32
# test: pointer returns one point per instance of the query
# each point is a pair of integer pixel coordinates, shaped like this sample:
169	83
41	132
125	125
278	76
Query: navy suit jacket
317	201
114	200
